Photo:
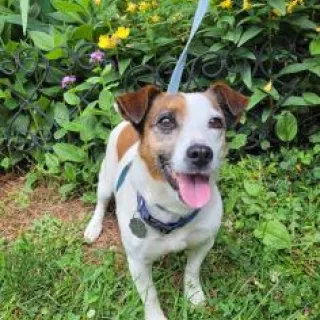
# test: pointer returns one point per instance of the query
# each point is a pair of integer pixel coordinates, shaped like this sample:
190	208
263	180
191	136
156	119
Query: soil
18	210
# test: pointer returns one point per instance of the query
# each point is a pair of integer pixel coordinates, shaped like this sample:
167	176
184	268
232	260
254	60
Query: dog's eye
167	122
216	123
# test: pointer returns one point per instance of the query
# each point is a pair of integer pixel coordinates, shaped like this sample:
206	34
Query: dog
161	164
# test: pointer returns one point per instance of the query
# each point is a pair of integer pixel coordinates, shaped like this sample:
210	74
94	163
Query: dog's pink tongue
194	190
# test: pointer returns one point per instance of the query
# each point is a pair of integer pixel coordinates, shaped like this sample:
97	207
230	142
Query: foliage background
269	50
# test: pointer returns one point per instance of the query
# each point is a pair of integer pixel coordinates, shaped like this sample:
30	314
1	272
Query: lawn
264	265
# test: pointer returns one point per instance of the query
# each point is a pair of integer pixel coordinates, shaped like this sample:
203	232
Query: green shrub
267	49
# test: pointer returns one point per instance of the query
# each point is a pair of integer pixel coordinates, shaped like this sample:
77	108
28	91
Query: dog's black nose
199	155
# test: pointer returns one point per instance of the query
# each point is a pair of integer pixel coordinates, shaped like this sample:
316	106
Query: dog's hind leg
105	186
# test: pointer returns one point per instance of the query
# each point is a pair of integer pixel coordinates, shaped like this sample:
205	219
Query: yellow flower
268	86
122	33
177	16
246	5
132	7
292	5
226	4
144	6
97	2
317	29
155	18
107	42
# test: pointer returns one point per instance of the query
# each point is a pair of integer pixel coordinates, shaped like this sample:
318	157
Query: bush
268	50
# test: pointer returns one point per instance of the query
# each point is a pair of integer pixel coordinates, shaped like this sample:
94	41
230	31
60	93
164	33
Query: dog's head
183	134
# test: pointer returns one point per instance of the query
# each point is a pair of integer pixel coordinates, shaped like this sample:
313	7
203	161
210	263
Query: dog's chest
190	236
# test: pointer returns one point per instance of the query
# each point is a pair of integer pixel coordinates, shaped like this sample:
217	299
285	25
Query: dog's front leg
192	286
141	273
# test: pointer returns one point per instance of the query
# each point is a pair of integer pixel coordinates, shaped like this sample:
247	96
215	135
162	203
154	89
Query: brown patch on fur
228	98
152	144
127	138
134	105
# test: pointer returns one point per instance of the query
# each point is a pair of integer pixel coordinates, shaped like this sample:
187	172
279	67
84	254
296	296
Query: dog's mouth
193	188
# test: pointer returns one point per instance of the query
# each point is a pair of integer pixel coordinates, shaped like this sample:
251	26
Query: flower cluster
97	57
141	6
226	4
111	41
246	5
67	81
293	4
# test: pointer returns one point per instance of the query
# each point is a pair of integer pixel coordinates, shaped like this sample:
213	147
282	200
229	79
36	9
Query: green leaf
83	32
238	141
315	138
253	189
52	161
88	127
246	75
71	98
55	54
315	47
294	102
5	163
265	145
69	152
123	65
233	35
273	234
257	96
106	100
249	34
279	5
286	126
68	7
95	80
21	124
303	22
294	68
24	8
31	179
70	171
61	113
311	98
42	40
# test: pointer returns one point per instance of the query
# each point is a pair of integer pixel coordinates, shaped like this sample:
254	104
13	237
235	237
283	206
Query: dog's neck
162	200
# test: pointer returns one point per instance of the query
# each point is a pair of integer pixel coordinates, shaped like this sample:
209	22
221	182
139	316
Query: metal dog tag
138	228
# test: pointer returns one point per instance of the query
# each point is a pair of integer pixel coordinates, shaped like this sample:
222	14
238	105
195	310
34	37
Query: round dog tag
138	228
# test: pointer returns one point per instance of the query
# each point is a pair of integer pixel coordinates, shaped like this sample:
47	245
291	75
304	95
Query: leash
175	80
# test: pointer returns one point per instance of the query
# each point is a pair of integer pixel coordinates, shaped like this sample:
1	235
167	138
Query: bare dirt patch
18	210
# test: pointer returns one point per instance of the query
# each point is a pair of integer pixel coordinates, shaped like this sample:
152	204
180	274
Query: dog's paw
198	299
195	295
92	231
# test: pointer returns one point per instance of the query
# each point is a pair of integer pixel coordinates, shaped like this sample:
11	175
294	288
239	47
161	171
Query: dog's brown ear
231	102
135	105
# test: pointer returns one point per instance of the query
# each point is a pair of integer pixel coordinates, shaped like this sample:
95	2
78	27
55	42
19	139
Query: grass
265	264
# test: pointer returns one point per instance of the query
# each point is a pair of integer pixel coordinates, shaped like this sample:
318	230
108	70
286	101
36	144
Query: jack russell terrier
161	164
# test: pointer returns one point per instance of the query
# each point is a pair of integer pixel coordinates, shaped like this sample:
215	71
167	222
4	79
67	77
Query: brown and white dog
167	153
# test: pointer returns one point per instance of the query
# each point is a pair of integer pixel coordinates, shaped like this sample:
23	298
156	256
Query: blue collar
165	228
145	215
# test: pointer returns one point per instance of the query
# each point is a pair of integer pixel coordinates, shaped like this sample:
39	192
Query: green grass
264	265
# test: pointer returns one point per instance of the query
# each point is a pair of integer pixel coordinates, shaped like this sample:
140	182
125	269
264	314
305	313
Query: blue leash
178	70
